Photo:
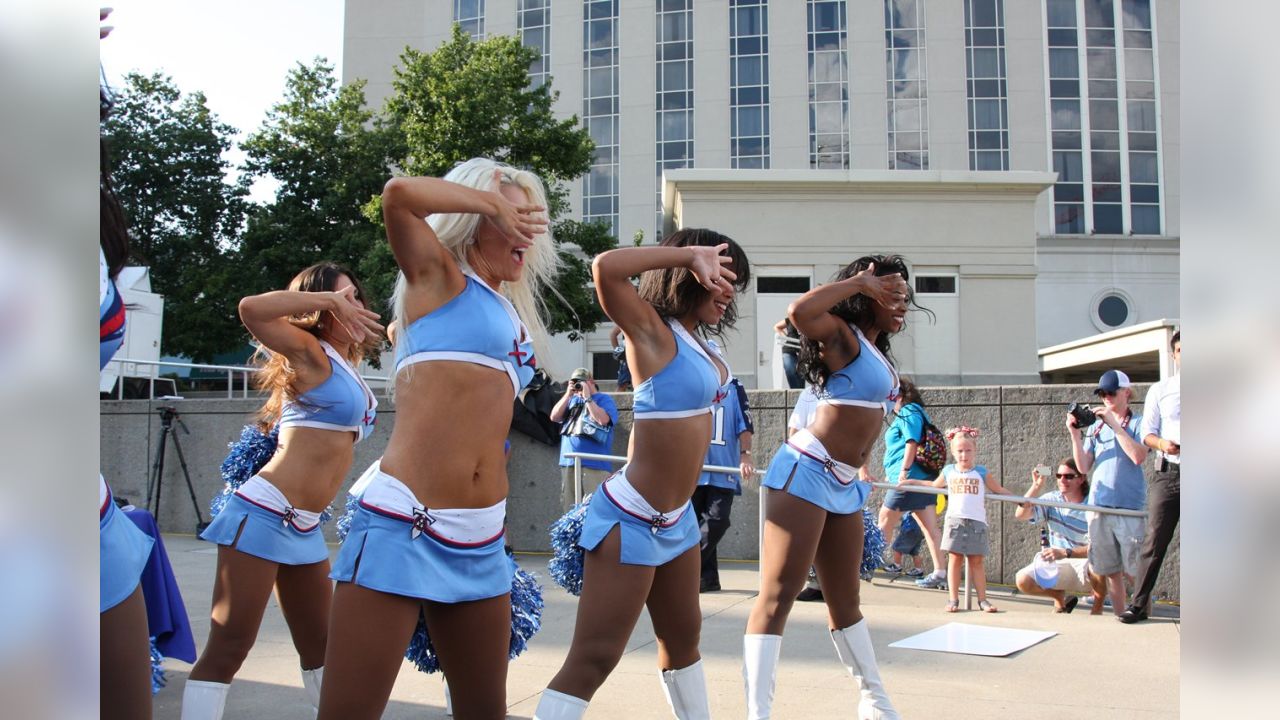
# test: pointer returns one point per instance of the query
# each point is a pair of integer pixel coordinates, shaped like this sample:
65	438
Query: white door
776	287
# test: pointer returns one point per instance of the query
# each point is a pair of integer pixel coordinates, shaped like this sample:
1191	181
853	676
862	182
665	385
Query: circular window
1113	311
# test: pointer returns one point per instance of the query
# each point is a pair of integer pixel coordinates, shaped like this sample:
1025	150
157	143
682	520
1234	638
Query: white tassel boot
853	646
203	700
311	680
558	706
759	670
686	691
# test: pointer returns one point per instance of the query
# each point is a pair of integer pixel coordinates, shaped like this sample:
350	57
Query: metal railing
231	370
968	600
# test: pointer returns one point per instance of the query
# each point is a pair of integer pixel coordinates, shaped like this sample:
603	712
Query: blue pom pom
566	561
247	456
344	523
872	543
526	620
157	668
526	609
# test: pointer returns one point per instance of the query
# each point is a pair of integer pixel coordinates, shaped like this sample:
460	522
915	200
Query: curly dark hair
857	310
673	292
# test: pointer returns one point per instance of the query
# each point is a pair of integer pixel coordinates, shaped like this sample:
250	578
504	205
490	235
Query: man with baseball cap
582	411
1112	450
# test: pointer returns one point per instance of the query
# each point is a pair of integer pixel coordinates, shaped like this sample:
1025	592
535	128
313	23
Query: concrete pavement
1094	668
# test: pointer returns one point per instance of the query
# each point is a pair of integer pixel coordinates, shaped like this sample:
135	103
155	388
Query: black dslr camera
1081	414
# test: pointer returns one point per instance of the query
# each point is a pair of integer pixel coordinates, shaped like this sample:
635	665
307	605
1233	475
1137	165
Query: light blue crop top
477	326
687	386
870	380
343	402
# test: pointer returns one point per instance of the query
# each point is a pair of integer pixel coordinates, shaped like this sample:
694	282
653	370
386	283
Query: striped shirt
1067	528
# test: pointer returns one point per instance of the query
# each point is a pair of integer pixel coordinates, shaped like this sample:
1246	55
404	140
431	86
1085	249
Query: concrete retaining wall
1021	426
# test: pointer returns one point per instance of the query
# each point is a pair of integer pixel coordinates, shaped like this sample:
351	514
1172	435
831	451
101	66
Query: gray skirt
964	536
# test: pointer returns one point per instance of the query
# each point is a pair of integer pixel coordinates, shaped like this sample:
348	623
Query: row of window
1101	73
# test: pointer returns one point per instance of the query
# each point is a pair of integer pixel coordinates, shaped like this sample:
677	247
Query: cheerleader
813	507
426	537
123	549
640	534
312	336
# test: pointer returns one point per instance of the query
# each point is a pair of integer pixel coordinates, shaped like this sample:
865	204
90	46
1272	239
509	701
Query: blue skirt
123	551
643	543
427	567
807	478
266	534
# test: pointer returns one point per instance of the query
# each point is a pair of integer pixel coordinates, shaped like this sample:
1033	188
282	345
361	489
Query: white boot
759	670
853	646
448	699
311	680
558	706
203	700
686	691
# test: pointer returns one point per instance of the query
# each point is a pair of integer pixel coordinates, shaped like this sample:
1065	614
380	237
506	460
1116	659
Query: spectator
965	528
901	441
1110	449
907	542
789	338
730	447
801	418
1068	538
618	342
582	411
1162	432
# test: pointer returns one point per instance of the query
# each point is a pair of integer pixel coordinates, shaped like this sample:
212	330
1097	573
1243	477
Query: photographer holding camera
587	418
1112	449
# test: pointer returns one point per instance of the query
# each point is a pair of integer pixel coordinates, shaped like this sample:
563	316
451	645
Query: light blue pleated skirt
808	479
123	551
643	541
266	534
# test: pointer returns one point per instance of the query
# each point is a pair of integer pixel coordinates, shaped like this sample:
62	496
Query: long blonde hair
276	376
457	233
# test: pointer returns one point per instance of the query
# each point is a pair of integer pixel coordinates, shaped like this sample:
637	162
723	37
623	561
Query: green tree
469	99
166	151
330	156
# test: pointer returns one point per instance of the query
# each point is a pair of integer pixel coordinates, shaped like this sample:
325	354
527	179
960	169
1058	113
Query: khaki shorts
1073	575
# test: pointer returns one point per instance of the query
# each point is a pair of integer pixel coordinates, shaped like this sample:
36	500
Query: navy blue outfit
713	498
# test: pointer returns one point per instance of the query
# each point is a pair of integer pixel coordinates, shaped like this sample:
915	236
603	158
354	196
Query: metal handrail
244	370
1019	499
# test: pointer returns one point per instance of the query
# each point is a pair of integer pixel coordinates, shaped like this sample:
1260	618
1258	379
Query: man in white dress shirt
1162	432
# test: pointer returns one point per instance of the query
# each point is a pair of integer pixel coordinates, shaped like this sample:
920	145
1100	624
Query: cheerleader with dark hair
268	529
637	539
123	549
814	507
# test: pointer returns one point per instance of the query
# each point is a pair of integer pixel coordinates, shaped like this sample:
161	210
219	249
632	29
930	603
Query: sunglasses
1067	476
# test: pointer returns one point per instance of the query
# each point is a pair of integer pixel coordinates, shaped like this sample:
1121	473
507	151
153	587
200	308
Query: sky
237	52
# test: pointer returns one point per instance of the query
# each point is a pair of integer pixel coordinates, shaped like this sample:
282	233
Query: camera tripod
167	417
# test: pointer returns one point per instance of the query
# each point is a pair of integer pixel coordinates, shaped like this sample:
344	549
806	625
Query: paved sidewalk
1094	668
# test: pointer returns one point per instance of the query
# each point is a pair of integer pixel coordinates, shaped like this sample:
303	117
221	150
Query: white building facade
1030	146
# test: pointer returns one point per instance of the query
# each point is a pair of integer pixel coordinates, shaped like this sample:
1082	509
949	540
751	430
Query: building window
470	15
906	76
1104	116
604	366
674	101
936	284
828	84
1112	308
533	21
782	284
987	86
749	83
600	110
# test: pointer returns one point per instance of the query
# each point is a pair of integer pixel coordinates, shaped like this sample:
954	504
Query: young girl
964	532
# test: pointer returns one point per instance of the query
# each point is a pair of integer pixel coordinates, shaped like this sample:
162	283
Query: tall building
1022	154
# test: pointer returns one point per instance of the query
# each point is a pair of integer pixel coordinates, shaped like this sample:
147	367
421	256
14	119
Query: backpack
931	453
532	412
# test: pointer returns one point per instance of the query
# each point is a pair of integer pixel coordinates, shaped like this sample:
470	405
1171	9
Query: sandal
1070	604
986	606
953	606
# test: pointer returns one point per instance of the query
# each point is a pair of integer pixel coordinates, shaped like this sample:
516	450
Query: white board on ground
973	640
